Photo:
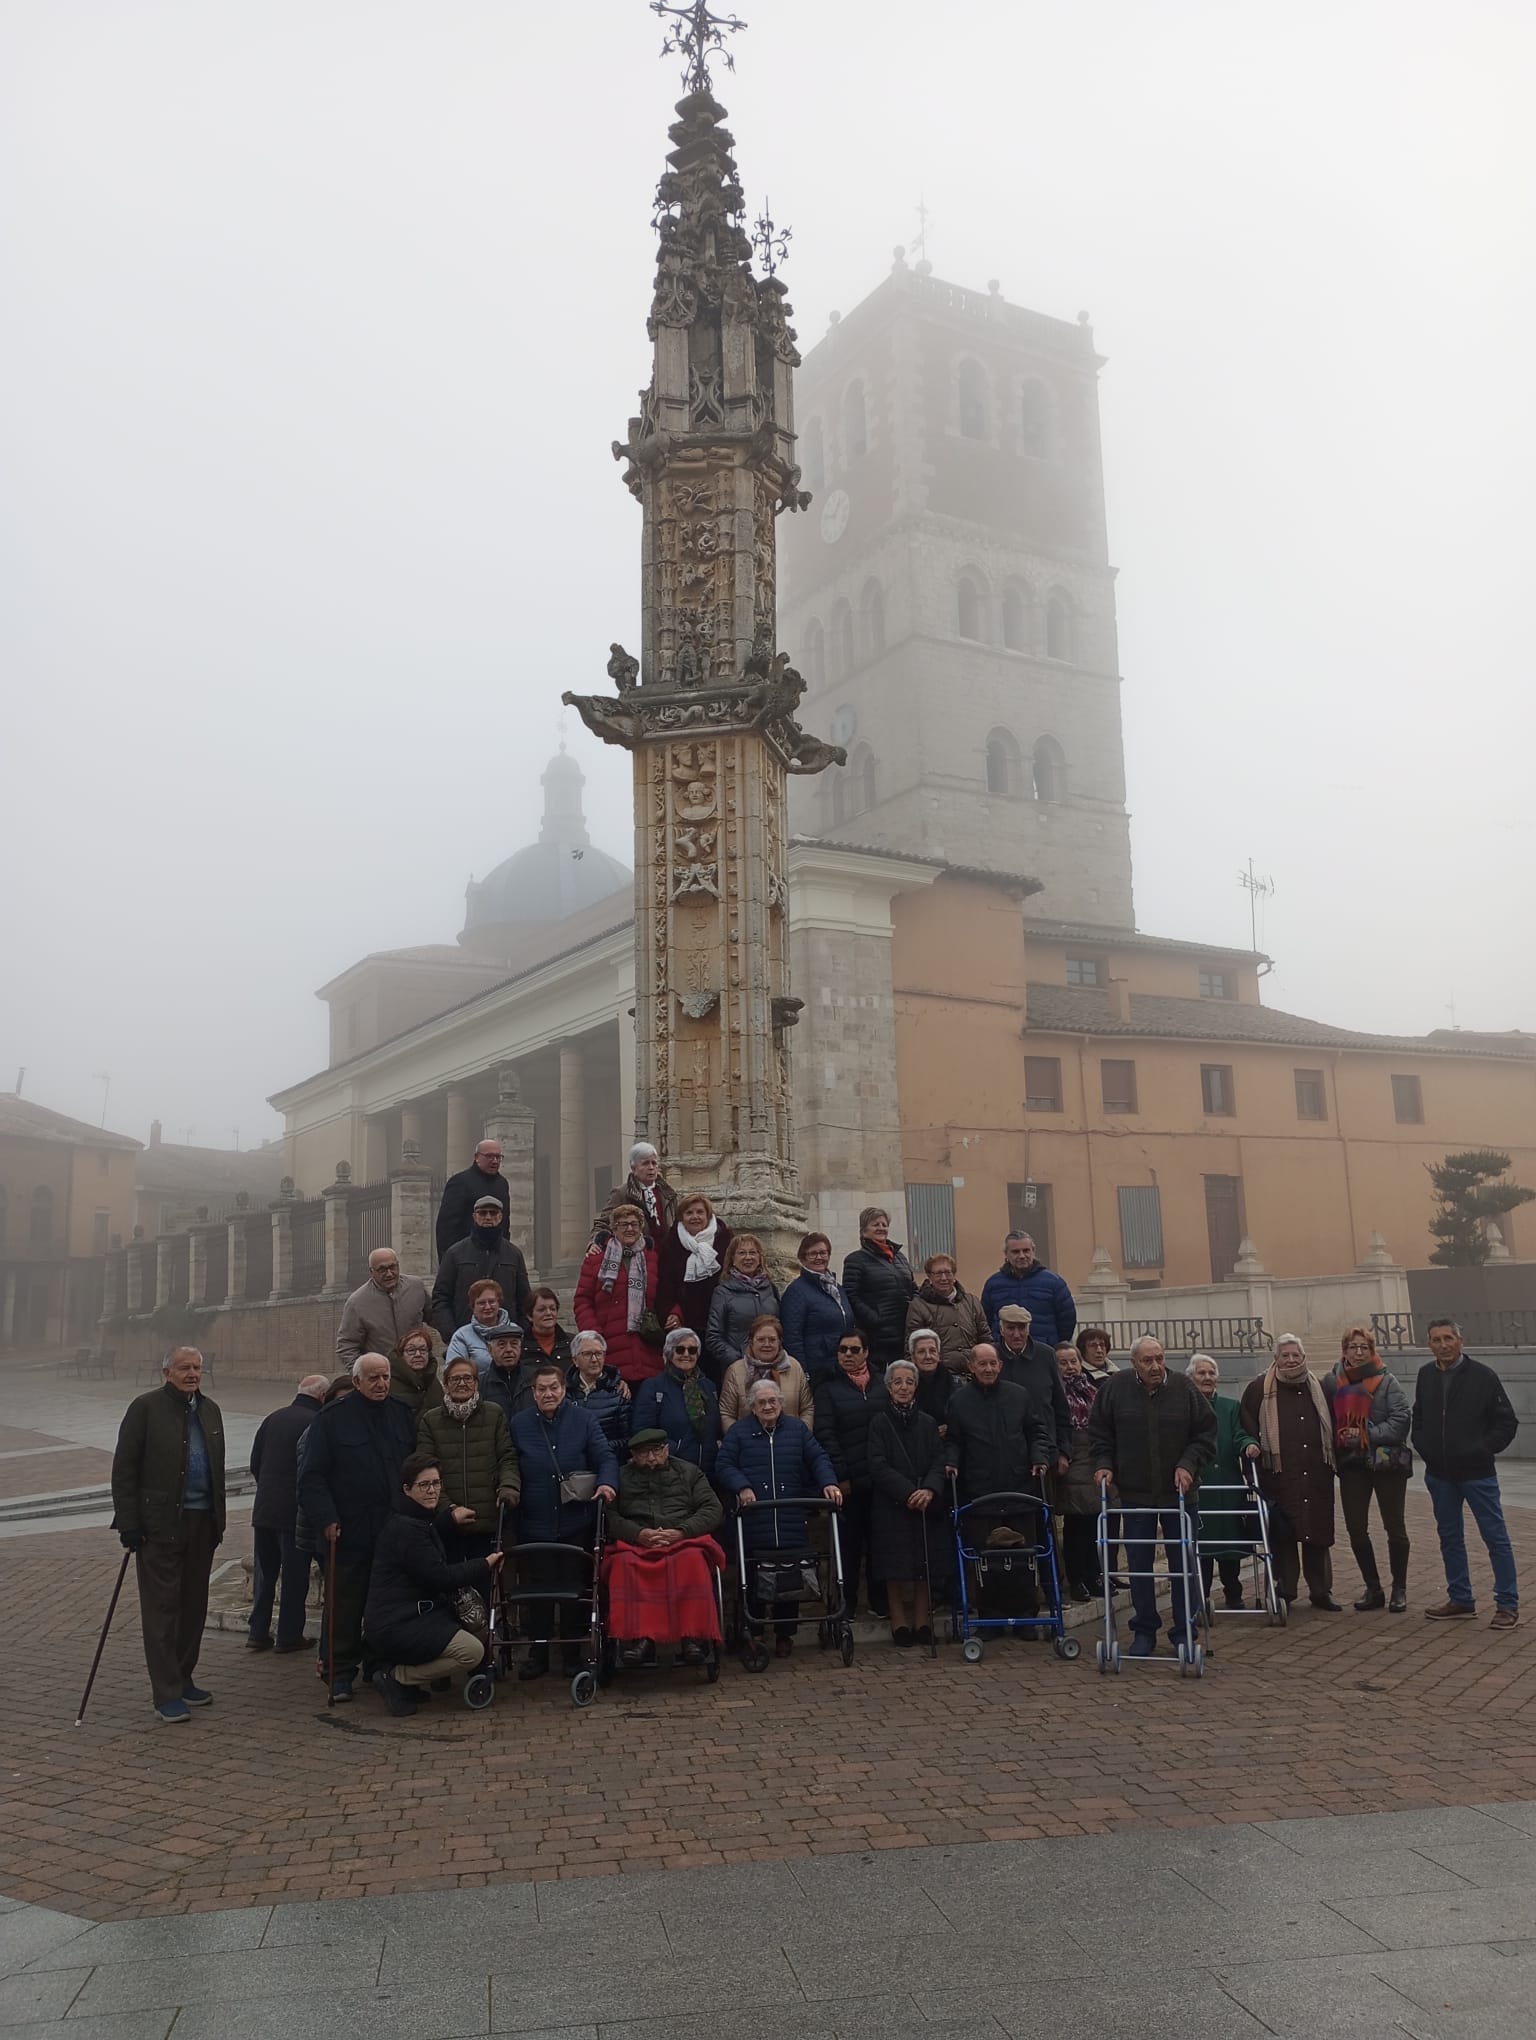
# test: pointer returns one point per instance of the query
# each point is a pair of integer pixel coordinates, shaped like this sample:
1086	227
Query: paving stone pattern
1291	1928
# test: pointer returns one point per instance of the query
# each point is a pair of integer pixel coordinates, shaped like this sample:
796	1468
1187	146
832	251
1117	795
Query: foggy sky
320	318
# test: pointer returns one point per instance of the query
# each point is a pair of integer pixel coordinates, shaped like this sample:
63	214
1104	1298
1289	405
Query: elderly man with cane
168	1510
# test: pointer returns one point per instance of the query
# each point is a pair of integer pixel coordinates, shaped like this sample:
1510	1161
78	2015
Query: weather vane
771	243
694	32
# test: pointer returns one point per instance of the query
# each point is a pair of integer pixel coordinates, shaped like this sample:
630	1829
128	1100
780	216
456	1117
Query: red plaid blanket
663	1595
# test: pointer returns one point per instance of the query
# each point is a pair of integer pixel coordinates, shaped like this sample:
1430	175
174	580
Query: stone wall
252	1342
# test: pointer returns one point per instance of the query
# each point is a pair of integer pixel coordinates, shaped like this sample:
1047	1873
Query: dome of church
551	879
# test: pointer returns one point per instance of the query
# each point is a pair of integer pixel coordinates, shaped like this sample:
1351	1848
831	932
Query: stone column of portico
163	1273
512	1123
338	1232
410	1126
575	1170
235	1292
282	1252
460	1137
197	1268
410	1214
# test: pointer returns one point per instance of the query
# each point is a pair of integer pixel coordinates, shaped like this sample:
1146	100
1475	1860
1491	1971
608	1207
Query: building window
1216	984
1085	970
1119	1080
1225	1224
1058	626
1035	420
1015	621
1311	1094
872	619
1141	1225
968	610
41	1233
1030	1210
1217	1097
1005	766
1050	770
973	404
813	460
930	1220
1408	1101
101	1231
855	422
815	655
842	641
1042	1083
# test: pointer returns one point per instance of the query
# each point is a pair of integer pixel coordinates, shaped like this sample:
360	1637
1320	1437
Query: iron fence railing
1398	1330
308	1249
1194	1335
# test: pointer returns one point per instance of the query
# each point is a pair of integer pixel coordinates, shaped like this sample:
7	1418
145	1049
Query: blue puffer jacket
658	1405
1053	1314
774	1464
813	1323
548	1448
602	1401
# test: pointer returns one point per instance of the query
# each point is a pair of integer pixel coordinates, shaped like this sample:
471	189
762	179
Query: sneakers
1505	1618
1449	1611
197	1696
258	1643
341	1691
172	1711
400	1700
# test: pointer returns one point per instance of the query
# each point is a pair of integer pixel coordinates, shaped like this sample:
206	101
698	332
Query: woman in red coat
616	1291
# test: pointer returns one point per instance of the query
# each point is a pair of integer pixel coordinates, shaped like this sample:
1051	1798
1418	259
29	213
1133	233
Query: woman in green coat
470	1441
1224	1516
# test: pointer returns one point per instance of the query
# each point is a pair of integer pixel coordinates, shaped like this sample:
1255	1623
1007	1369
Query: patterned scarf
1353	1395
1269	1417
1082	1392
859	1378
461	1412
695	1401
614	1255
827	1280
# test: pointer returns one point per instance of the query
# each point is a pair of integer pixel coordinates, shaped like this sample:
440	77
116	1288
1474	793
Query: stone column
410	1126
575	1170
282	1252
411	1215
133	1275
338	1232
460	1138
235	1292
627	1120
197	1269
112	1286
513	1123
375	1148
163	1273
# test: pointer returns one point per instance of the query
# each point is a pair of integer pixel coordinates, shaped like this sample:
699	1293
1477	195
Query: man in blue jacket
1023	1279
353	1453
561	1449
769	1457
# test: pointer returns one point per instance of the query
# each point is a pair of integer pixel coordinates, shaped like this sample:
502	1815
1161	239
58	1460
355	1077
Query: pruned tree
1470	1189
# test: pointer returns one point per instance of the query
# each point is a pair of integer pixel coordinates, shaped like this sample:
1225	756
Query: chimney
1120	999
154	1133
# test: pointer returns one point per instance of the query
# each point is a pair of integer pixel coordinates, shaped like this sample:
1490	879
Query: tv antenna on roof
1256	889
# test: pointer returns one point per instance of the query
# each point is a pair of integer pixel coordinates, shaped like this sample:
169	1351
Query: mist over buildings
322	317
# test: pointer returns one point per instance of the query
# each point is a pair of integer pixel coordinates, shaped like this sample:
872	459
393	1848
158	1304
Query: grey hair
922	1332
165	1364
757	1389
669	1343
907	1367
1146	1339
1289	1339
314	1384
642	1151
1189	1364
588	1339
357	1363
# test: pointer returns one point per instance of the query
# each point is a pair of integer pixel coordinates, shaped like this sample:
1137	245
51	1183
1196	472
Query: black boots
1399	1600
1373	1597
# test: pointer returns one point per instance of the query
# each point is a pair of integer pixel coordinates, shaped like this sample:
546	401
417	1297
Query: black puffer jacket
844	1414
353	1453
1462	1419
407	1618
995	1437
477	1459
468	1262
275	1464
879	1290
1144	1436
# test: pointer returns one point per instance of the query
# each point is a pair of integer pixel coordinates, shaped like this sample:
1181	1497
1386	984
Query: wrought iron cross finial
770	243
694	31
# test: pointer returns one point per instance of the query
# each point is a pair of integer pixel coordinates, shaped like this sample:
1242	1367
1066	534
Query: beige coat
793	1386
374	1320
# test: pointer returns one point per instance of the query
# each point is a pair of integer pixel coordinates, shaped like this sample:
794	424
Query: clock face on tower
834	516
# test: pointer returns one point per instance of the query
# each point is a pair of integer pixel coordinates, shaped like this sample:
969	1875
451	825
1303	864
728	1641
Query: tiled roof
1132	938
1014	880
1069	1009
35	1122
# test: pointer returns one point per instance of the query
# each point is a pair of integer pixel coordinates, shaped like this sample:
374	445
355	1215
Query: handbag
1391	1459
574	1487
797	1581
471	1613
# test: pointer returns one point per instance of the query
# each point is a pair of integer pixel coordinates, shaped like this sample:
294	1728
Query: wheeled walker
977	1563
514	1588
1140	1531
1234	1523
776	1575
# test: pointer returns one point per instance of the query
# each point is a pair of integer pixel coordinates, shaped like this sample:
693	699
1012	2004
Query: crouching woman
411	1622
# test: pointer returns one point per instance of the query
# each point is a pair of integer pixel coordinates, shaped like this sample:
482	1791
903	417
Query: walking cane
101	1641
330	1623
933	1642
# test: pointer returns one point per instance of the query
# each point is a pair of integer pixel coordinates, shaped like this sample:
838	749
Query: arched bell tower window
872	619
815	654
1060	630
974	400
1015	620
1005	763
1050	770
969	610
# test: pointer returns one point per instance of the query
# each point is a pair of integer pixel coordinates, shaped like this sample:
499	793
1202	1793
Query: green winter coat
478	1459
1226	1471
419	1392
676	1496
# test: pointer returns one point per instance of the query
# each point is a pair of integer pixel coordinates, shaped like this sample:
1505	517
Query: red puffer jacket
609	1314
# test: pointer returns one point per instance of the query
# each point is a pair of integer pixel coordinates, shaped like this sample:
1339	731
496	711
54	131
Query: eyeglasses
849	1350
686	1346
428	1487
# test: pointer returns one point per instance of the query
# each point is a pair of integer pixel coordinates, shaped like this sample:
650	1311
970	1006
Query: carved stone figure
623	670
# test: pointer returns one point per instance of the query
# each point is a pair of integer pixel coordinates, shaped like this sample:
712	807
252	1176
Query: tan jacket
961	1323
375	1320
793	1387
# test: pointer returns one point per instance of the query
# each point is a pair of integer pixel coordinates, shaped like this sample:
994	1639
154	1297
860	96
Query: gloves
131	1540
507	1497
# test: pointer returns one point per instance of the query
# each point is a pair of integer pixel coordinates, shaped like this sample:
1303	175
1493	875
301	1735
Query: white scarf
703	1261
